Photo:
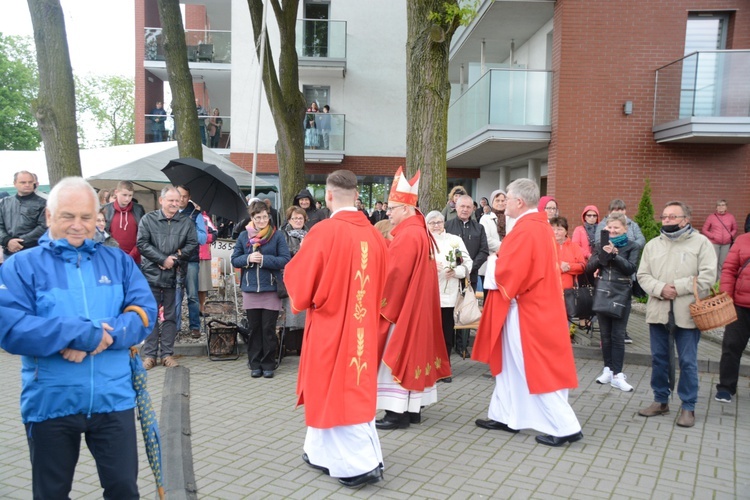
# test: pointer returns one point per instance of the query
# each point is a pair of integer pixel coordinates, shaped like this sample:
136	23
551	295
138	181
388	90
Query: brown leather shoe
656	408
196	334
149	363
169	362
686	418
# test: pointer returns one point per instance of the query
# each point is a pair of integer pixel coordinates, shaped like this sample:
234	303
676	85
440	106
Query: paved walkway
247	440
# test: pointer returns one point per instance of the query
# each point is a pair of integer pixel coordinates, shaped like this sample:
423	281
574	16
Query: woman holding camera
614	260
261	253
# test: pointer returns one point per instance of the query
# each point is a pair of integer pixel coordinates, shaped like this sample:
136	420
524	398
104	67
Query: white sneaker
618	382
605	377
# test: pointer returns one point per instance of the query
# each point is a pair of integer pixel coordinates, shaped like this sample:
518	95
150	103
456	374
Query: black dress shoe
415	418
371	477
319	467
494	425
393	420
548	440
446	380
267	373
256	373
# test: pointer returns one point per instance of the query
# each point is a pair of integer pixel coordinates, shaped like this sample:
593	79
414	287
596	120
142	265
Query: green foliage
645	215
455	11
108	103
19	85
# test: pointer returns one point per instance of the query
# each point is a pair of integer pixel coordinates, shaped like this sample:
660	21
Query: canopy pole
261	61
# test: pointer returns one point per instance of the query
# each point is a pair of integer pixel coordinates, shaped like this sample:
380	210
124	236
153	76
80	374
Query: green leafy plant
645	215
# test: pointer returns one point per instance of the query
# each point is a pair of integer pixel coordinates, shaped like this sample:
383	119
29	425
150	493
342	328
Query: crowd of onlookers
468	236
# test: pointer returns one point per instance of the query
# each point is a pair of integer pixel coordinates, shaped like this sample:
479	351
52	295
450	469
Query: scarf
255	238
676	234
619	241
500	214
590	233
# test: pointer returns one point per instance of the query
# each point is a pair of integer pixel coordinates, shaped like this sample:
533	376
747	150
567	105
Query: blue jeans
194	309
55	444
686	340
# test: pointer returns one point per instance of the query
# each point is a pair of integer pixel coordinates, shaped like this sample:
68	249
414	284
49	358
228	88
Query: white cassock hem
346	451
511	402
393	397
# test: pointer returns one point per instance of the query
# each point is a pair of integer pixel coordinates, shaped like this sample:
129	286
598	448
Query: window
315	35
318	94
705	34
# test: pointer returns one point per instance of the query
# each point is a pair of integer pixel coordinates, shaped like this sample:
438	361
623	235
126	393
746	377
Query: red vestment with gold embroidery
338	276
415	352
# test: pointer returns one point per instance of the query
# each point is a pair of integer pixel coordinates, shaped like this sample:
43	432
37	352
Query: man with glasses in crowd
670	264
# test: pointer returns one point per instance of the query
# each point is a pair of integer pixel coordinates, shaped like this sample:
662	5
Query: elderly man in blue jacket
72	308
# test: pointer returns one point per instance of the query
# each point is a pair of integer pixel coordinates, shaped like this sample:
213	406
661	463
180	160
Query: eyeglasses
550	209
297	218
590	215
391	209
672	217
435	223
260	218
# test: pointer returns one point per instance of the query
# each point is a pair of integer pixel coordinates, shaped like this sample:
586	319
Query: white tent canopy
139	163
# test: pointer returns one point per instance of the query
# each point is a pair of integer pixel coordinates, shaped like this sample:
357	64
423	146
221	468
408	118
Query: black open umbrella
212	189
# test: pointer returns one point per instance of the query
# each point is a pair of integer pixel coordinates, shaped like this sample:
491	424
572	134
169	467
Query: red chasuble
528	270
338	276
415	353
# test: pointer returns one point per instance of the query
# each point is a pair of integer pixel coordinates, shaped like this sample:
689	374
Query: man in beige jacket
670	264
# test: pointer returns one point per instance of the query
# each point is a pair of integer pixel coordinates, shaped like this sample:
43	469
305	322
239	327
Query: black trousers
733	344
261	353
55	444
446	315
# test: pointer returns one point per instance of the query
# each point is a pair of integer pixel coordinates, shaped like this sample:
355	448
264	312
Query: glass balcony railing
322	39
215	129
202	46
501	97
703	84
324	131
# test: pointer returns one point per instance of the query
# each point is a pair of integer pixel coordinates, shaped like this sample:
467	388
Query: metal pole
261	60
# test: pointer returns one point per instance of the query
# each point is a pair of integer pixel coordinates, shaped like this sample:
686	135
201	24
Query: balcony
213	47
324	142
321	44
704	98
504	115
165	131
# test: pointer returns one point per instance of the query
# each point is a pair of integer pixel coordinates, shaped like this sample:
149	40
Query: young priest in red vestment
414	355
338	276
523	334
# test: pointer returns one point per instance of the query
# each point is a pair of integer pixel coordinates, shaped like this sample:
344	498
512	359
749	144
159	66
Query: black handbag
280	286
611	296
579	301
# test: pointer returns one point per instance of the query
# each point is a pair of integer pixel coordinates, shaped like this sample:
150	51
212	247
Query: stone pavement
247	441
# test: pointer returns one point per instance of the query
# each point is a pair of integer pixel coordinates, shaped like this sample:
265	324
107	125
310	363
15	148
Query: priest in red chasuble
523	334
338	277
414	354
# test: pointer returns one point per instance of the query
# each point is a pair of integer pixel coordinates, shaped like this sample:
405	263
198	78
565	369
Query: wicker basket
713	312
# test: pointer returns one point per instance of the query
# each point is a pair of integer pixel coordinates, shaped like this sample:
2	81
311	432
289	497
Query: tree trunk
427	98
284	96
55	107
180	81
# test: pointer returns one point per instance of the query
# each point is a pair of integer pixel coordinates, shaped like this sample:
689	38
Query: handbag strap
743	267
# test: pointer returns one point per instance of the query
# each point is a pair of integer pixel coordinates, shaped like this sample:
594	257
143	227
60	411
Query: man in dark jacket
165	238
305	200
122	217
378	213
22	219
472	233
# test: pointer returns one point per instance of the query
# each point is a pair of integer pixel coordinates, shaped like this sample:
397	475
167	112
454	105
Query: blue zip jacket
56	296
261	278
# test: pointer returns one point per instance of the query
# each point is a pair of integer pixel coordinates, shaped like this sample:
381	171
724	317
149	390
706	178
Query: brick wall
606	53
